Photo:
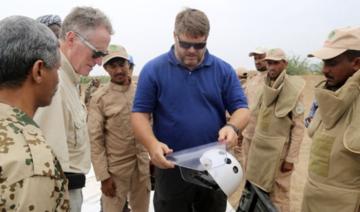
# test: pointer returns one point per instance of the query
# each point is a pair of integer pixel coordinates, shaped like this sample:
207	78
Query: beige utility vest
273	128
334	165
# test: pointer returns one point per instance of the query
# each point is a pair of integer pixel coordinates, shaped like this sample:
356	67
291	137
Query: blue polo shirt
188	107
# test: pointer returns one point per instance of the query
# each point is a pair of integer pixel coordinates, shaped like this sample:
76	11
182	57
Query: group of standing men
179	103
271	141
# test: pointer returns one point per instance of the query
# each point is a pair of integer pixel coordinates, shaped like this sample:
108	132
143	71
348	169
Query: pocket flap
79	122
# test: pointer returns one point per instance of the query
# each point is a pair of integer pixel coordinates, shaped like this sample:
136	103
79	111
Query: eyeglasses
187	45
97	53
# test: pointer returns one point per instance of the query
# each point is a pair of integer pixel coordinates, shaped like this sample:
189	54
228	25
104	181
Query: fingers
160	161
228	134
157	155
108	187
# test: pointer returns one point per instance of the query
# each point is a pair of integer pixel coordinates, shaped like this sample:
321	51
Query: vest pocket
319	154
320	197
264	160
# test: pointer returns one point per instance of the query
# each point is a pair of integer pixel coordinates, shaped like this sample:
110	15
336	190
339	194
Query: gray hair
84	20
23	41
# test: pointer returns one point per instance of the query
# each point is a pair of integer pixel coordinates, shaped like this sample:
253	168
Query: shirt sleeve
96	131
234	94
34	193
145	96
297	131
54	124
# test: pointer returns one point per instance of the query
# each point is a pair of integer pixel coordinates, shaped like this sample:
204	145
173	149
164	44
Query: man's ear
70	38
356	64
286	63
36	71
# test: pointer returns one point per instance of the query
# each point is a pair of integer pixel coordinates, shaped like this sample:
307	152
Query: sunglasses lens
99	54
184	44
187	45
199	45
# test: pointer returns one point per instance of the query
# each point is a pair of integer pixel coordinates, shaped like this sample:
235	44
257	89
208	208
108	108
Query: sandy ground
300	174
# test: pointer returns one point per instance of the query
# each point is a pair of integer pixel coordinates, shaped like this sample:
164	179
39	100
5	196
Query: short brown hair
193	23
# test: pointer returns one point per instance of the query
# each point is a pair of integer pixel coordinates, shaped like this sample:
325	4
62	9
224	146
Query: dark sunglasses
187	45
97	53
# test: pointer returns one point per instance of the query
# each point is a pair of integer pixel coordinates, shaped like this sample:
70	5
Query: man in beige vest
279	131
120	161
252	85
334	165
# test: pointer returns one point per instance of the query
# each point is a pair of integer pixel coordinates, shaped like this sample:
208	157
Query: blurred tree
298	65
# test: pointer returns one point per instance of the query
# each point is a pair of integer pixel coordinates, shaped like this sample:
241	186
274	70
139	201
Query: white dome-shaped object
229	175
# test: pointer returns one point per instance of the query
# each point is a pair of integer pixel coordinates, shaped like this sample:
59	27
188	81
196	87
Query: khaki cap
259	50
115	51
337	42
276	54
241	72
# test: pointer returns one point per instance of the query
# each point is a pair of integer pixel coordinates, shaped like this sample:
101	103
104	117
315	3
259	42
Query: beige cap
241	72
276	54
259	50
337	42
115	51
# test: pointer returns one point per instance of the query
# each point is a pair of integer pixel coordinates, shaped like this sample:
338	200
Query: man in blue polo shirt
188	91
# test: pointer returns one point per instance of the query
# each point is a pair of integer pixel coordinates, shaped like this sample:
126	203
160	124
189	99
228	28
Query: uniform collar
10	112
68	69
120	88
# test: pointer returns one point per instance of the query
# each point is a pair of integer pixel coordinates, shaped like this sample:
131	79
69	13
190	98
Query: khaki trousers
137	191
281	194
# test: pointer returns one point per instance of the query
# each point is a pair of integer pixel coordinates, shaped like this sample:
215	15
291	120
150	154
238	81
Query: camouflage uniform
89	91
31	177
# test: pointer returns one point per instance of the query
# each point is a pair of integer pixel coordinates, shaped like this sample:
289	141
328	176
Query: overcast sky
144	27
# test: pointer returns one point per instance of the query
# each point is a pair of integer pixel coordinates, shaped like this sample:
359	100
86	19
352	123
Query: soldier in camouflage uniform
31	177
91	88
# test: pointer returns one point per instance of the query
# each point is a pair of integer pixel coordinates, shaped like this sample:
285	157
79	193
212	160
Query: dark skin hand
108	187
309	119
286	167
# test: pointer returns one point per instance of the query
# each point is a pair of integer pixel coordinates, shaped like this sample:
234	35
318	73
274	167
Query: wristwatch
237	131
